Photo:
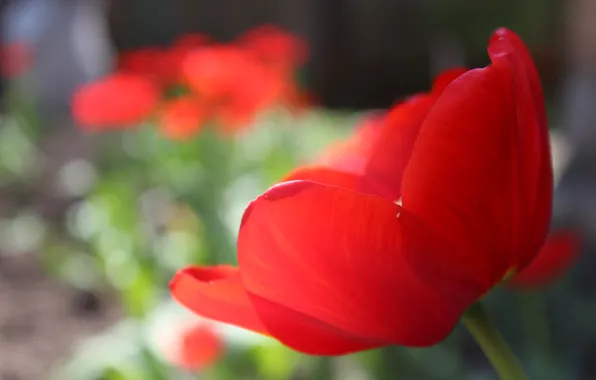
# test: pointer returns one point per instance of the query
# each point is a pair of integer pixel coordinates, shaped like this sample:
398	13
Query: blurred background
114	173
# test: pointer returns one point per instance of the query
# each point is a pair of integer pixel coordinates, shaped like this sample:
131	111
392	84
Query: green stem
323	369
492	343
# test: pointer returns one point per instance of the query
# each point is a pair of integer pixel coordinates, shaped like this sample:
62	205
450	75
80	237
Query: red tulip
556	256
148	62
214	72
445	198
15	59
199	347
116	100
275	46
374	158
257	90
235	84
183	117
162	65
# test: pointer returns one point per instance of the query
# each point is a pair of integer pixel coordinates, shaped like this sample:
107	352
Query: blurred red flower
214	72
257	90
117	100
162	64
15	59
142	61
236	85
281	53
200	347
182	117
275	46
391	246
557	255
233	83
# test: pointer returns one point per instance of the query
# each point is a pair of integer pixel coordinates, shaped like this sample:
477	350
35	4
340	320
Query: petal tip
284	190
502	31
275	193
203	274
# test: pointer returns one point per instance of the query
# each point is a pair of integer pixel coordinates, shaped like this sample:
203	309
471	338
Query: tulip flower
195	347
394	241
200	347
118	100
182	117
236	85
556	256
147	61
15	59
163	65
275	46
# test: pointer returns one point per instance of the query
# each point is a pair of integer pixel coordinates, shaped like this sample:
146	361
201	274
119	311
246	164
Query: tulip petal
117	100
351	155
445	78
381	149
325	175
307	334
478	179
335	256
457	184
393	149
216	293
533	162
347	180
556	256
200	347
394	145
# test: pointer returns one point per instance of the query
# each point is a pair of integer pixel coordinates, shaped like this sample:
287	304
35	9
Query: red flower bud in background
257	90
233	83
115	101
198	347
183	117
173	59
157	64
557	255
15	59
236	85
280	53
275	47
139	61
214	72
453	196
160	64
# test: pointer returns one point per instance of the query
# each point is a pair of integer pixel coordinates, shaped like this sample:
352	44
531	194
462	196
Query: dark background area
364	54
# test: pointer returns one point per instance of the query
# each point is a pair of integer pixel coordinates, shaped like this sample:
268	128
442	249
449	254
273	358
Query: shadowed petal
459	184
393	149
533	162
478	178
